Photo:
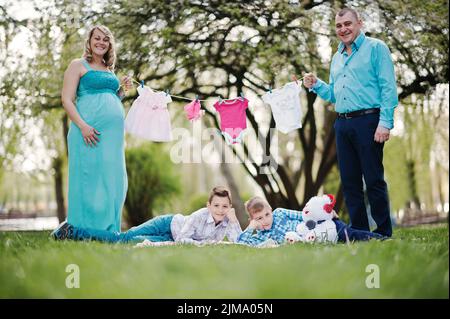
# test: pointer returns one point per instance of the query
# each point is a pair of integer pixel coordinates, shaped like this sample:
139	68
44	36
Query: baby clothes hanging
286	106
149	117
233	120
193	111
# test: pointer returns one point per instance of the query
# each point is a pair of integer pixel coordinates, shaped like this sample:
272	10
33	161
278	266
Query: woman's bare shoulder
78	61
75	66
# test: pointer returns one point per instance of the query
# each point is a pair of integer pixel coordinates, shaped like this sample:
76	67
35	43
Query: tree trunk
58	177
65	122
412	184
234	189
339	201
235	197
59	193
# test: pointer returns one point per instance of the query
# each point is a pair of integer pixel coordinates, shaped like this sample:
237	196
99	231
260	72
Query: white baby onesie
286	106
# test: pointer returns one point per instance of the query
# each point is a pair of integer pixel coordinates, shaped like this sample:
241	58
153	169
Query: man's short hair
343	11
255	205
220	191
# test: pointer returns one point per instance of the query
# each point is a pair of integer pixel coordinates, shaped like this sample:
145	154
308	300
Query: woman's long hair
109	58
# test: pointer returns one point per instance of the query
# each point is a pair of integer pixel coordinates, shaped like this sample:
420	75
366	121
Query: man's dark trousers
360	156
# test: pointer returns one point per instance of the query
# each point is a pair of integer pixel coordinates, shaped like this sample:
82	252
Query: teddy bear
317	224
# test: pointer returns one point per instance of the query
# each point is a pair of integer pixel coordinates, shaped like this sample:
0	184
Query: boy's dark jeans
353	234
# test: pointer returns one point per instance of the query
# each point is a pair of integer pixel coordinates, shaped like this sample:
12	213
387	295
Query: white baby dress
149	117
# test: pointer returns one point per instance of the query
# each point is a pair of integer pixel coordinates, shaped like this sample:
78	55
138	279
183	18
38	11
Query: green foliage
246	196
395	173
417	33
151	179
413	265
331	184
198	201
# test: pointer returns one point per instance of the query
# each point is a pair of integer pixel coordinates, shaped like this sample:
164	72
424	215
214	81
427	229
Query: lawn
413	265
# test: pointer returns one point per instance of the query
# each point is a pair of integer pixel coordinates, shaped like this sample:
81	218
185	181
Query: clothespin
220	99
196	97
167	92
270	89
242	95
294	78
142	83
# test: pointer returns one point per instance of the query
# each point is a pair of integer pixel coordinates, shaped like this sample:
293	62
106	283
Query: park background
211	49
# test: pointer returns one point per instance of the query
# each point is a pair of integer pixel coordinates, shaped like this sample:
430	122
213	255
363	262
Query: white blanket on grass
147	243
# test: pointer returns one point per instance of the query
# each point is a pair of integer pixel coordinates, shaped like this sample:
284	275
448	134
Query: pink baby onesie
149	117
233	120
193	111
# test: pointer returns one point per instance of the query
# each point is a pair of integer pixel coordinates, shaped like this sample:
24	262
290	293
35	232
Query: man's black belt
358	113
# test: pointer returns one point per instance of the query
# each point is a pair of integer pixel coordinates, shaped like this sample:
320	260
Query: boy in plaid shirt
267	224
273	226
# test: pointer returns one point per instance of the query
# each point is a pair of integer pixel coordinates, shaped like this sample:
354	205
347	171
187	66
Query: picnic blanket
147	243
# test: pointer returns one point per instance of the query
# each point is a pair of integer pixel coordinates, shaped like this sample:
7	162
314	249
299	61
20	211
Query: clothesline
190	99
180	97
149	117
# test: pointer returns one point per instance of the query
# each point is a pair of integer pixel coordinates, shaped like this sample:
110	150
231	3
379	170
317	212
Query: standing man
362	87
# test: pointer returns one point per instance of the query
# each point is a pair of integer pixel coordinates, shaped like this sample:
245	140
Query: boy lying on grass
209	224
273	225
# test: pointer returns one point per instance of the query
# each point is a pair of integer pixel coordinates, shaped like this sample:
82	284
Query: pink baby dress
149	117
233	120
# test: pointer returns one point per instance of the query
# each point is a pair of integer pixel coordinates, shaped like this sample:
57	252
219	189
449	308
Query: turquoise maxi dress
97	174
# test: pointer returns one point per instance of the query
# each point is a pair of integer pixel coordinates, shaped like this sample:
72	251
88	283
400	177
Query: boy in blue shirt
273	225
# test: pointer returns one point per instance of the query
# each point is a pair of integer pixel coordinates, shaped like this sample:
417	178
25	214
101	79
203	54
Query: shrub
151	178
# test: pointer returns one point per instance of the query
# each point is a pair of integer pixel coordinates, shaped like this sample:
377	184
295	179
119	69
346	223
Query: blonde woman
91	96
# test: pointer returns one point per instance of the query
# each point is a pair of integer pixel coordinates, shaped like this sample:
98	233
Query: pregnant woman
97	174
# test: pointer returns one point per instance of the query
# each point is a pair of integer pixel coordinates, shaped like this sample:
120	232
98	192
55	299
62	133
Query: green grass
414	265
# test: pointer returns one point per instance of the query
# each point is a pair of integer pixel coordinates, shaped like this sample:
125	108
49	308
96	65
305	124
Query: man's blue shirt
362	80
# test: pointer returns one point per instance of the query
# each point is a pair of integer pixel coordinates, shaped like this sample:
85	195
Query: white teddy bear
317	224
